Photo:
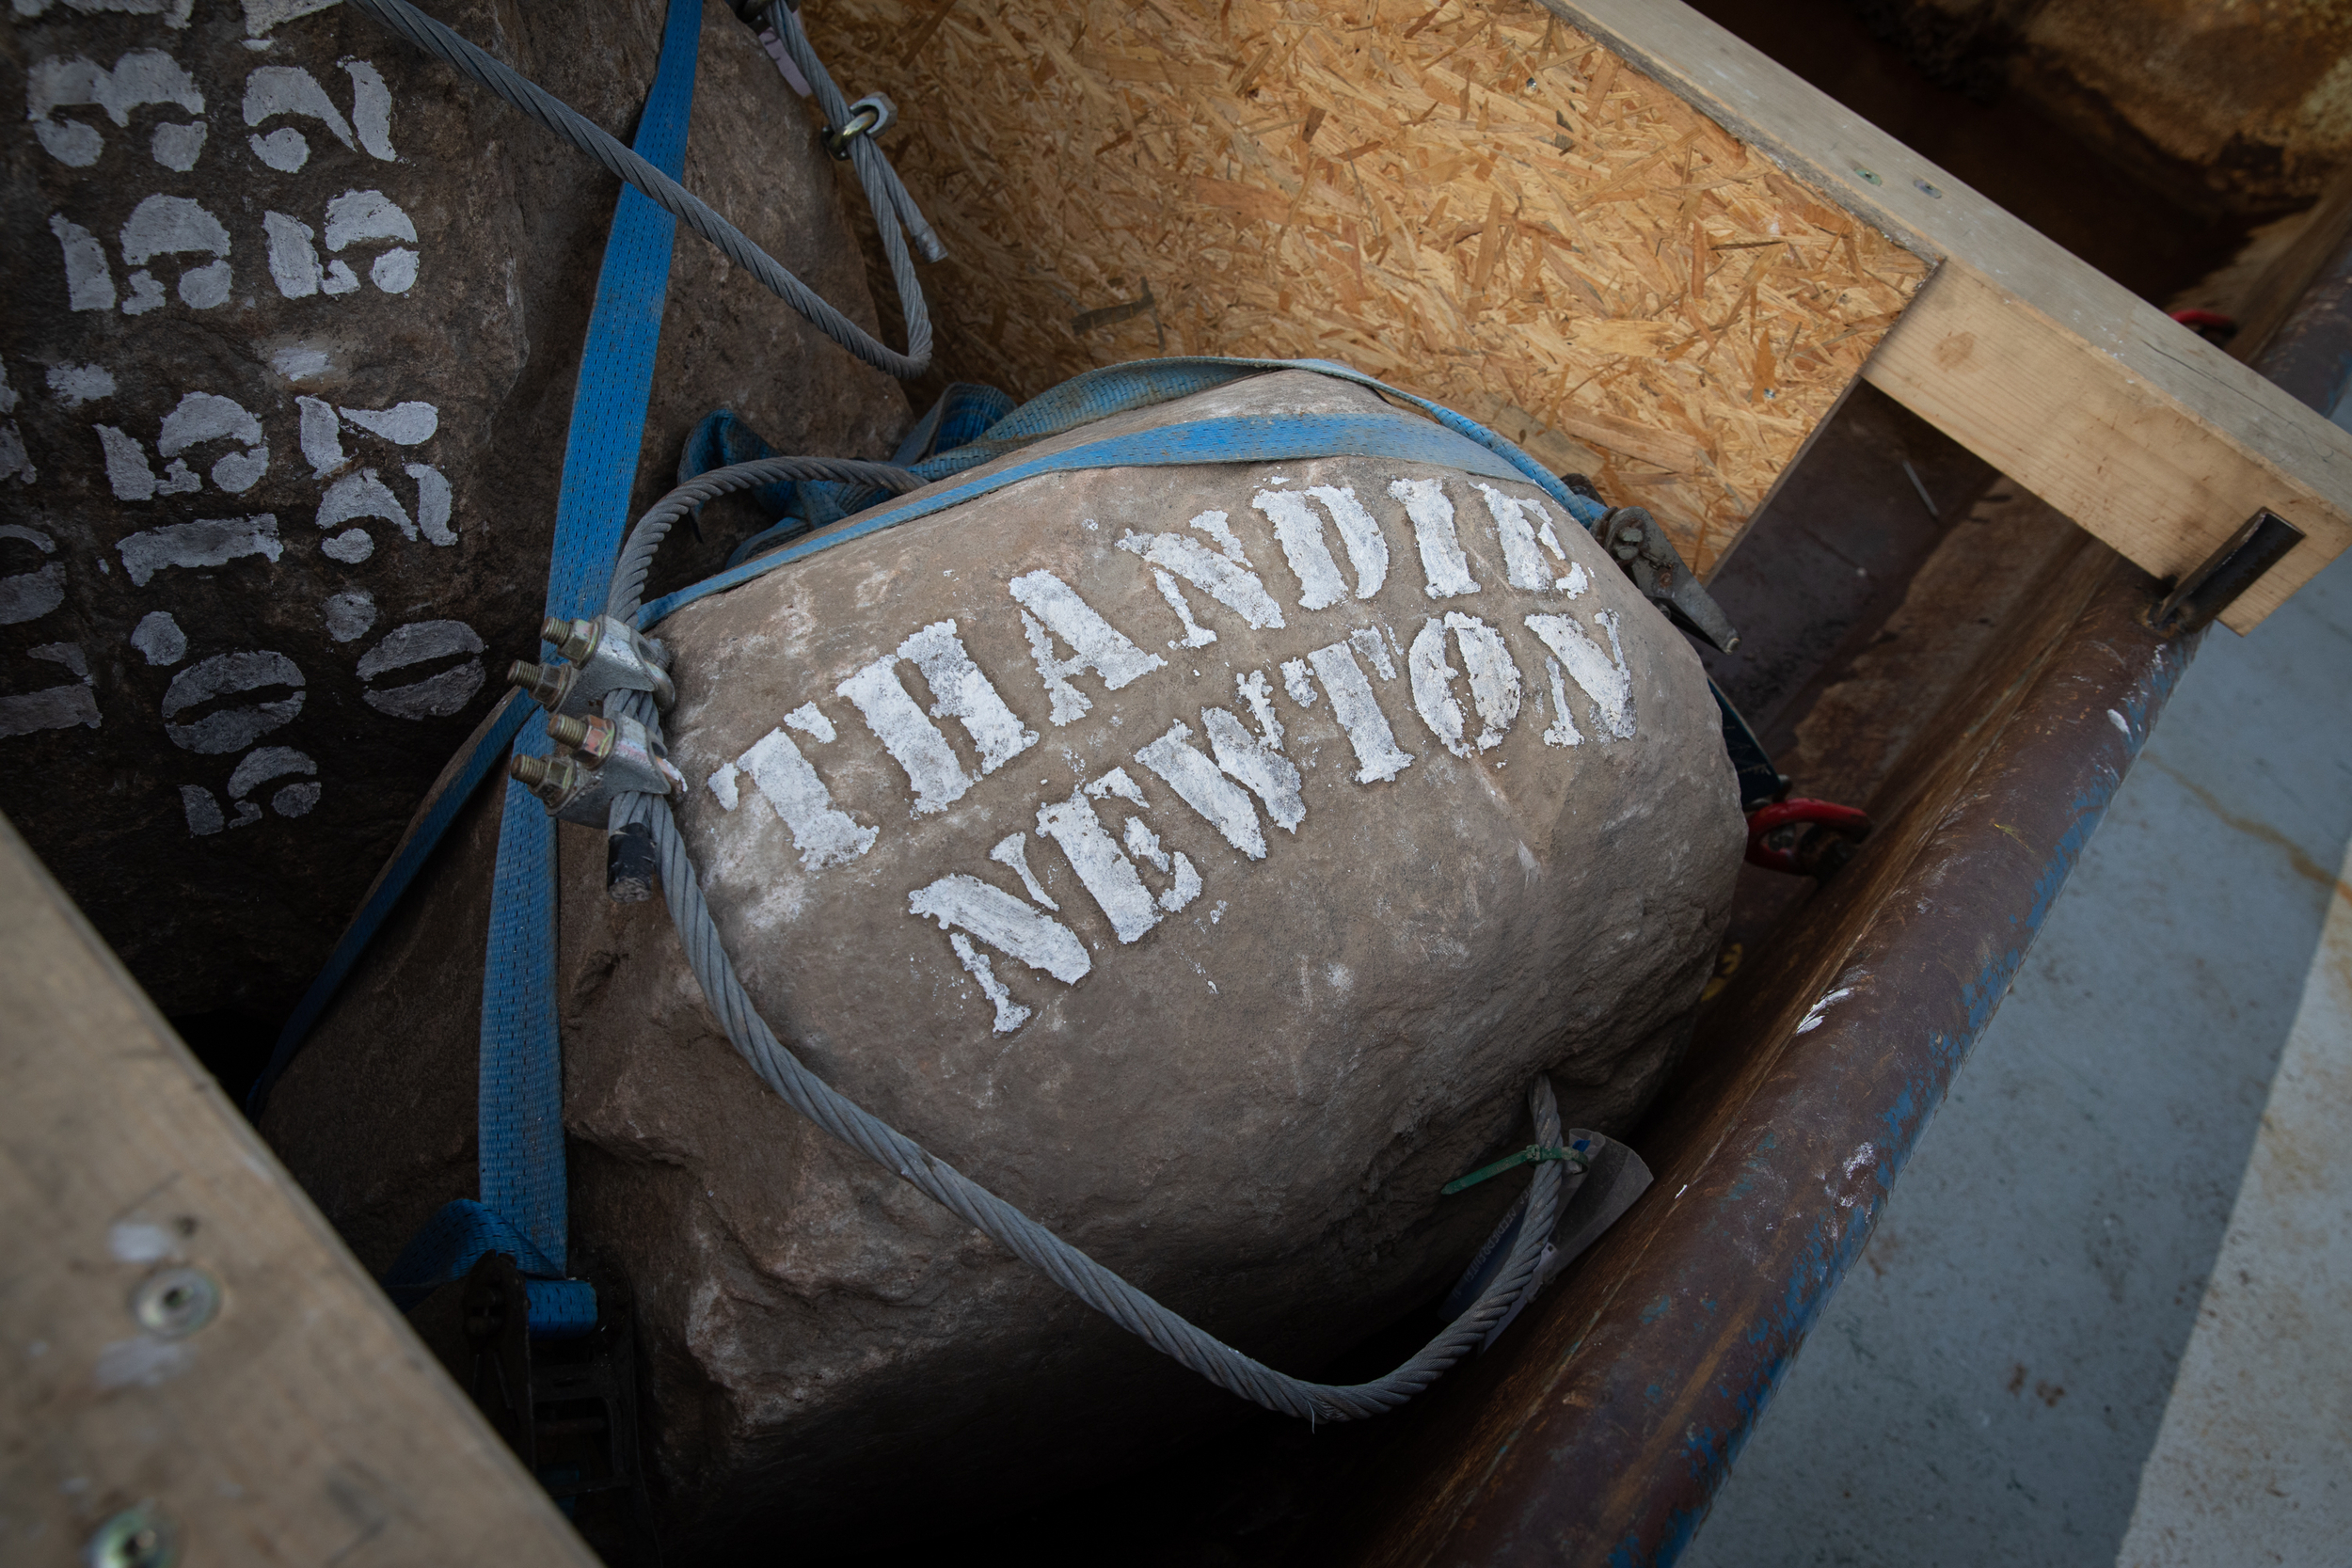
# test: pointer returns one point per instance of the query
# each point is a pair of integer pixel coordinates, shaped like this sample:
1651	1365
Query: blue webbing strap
1236	439
521	1096
1123	389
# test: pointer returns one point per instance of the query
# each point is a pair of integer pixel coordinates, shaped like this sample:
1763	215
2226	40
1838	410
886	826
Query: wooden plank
2155	440
302	1422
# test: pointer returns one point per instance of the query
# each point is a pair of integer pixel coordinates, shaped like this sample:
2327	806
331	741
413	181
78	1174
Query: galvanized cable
873	170
646	535
891	203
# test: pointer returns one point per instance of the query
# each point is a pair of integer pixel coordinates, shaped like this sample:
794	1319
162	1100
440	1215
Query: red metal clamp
1806	838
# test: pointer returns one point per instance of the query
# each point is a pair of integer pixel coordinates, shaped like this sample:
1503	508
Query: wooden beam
2151	438
298	1420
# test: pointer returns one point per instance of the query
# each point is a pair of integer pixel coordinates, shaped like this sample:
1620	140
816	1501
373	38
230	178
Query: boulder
1204	857
298	313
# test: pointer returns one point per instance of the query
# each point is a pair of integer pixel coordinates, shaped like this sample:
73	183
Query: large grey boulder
297	315
1206	859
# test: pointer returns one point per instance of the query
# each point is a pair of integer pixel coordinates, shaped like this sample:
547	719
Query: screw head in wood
139	1537
173	1303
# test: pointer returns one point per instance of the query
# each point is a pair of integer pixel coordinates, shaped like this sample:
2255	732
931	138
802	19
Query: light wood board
305	1423
2155	440
1471	199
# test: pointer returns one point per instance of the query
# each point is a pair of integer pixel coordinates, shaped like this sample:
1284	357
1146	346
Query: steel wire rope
1067	1267
894	210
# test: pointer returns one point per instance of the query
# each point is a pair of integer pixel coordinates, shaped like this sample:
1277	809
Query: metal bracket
1633	539
2229	571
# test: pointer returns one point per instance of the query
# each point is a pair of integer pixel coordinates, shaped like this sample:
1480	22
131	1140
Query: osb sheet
1474	201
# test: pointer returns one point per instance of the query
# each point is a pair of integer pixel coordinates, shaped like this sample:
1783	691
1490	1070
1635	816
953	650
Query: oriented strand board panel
2136	428
1475	201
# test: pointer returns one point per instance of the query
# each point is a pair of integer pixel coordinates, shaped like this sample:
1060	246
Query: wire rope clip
1532	1154
596	760
869	116
605	656
1806	838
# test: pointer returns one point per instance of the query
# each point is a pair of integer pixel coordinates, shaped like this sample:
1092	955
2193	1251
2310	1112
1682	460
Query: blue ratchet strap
1452	441
521	1104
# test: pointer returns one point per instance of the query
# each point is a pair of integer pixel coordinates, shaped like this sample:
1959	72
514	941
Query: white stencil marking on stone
90	281
1117	782
261	15
1563	730
351	546
206	542
962	692
1197	782
363	495
201	417
1005	923
56	707
128	471
371	109
912	740
13	461
288	89
1604	675
1294	682
1224	575
1269	773
1184	881
1011	1015
1494	681
1366	640
298	363
1107	875
433	503
357	217
436	696
723	786
1051	607
159	638
1367	547
75	385
810	722
1524	525
349	615
1196	635
294	256
1377	757
202	811
321	435
1300	533
264	763
404	425
1258	697
139	78
231	729
30	596
175	226
174	13
1442	564
1012	850
824	835
1301	536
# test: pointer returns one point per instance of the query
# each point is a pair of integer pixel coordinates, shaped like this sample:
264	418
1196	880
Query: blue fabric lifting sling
522	1209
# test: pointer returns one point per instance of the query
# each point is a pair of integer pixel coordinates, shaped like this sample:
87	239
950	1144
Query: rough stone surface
227	672
1246	1106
